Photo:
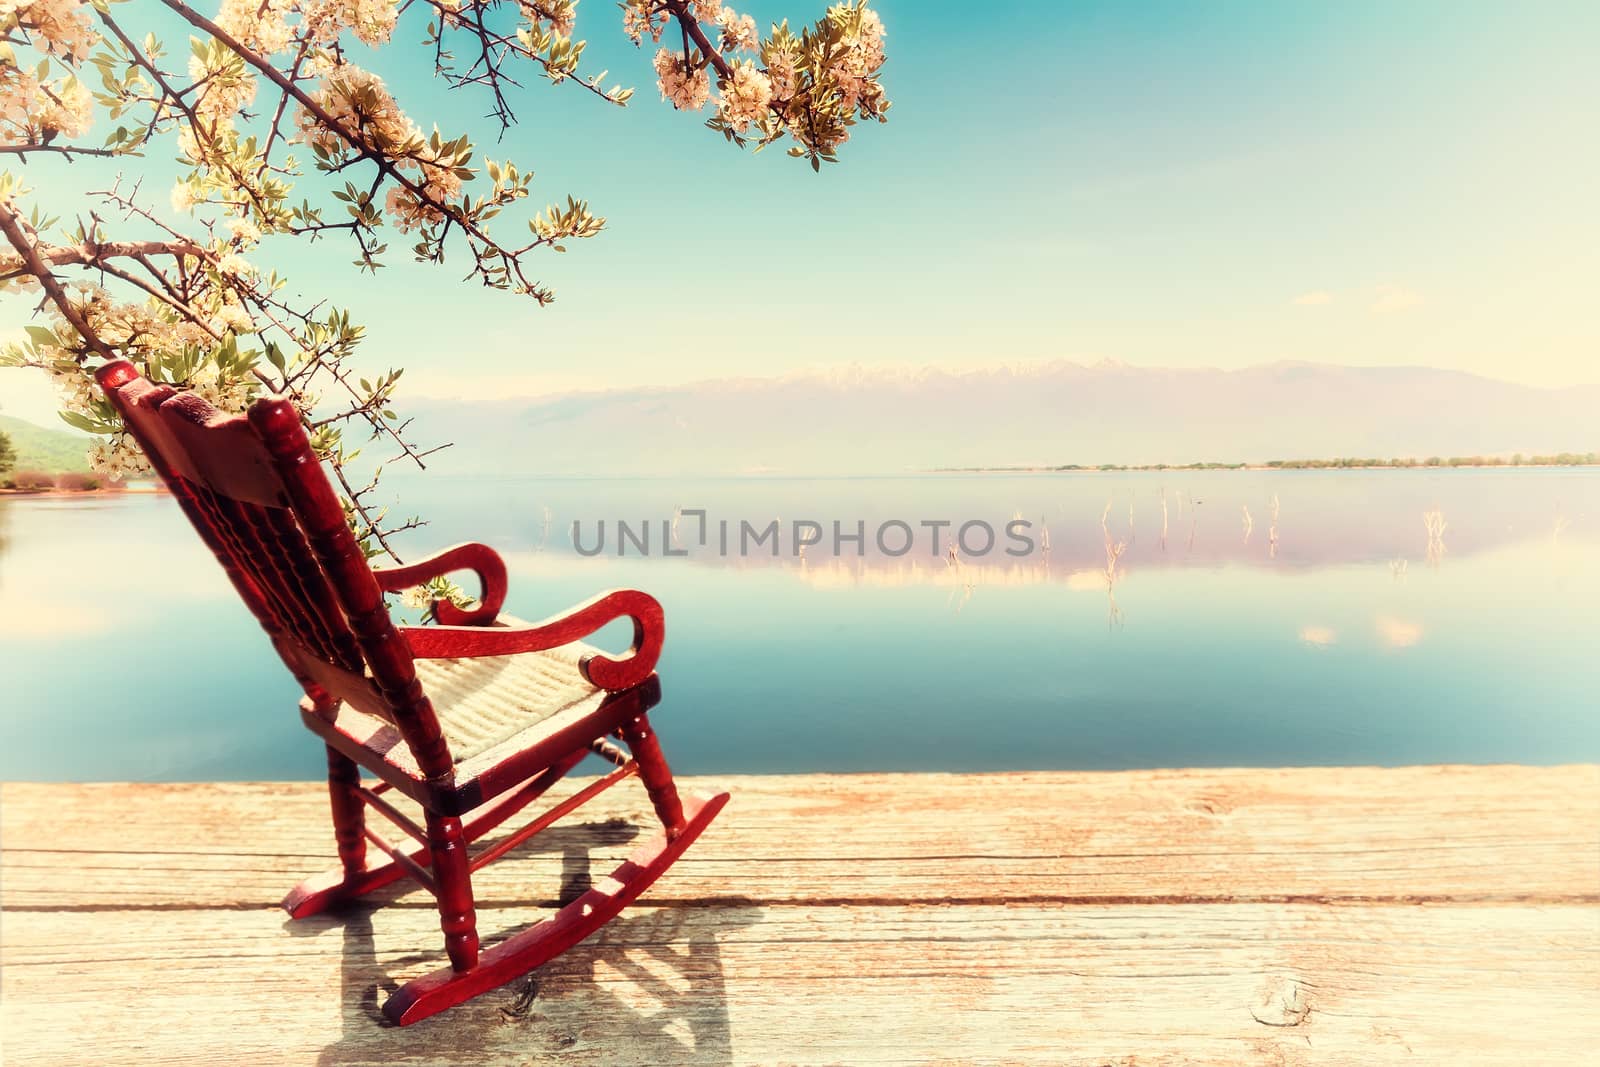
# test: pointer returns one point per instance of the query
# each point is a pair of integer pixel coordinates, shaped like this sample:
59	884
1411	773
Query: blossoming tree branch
279	135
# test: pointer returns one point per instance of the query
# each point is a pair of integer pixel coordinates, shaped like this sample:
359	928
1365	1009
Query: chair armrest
482	559
607	672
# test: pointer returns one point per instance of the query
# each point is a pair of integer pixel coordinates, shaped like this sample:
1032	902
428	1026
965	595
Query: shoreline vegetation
69	483
1559	459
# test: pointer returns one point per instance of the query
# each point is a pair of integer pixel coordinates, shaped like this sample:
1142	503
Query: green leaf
41	335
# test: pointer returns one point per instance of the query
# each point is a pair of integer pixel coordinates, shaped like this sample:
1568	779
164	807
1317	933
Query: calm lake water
1347	635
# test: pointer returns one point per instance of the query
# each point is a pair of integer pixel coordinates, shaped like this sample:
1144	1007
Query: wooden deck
1356	916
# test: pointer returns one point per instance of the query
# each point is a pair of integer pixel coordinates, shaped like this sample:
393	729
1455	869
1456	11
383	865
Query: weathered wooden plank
1504	833
1091	984
1436	915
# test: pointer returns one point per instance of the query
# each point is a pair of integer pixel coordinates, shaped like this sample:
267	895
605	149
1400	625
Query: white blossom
234	265
245	231
258	24
745	96
639	19
118	459
738	31
372	21
687	89
183	198
233	318
58	27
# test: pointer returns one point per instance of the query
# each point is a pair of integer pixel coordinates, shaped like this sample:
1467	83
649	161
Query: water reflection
1318	636
1224	646
1398	633
1434	522
1272	531
1339	517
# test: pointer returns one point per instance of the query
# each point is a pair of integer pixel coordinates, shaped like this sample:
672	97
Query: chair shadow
647	988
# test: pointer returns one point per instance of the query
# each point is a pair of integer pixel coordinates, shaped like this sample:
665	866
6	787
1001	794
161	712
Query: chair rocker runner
474	718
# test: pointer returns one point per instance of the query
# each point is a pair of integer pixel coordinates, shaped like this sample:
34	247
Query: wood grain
1339	916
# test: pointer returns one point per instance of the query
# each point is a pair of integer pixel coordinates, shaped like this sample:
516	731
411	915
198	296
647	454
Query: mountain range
41	448
867	421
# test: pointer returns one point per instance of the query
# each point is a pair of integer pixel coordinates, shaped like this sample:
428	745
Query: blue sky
1162	184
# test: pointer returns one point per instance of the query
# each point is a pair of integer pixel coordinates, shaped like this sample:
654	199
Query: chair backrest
260	500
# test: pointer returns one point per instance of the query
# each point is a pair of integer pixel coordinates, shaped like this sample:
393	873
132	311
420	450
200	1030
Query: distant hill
1044	414
42	449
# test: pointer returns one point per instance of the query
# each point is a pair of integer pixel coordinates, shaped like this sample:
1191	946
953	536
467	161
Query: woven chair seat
484	701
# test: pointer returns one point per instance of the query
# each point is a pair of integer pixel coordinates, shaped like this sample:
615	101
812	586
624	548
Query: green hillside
42	449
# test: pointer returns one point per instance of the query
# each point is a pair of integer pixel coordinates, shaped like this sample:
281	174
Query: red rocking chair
473	718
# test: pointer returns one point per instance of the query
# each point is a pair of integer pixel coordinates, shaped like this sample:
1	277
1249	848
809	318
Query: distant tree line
1152	467
1559	459
71	481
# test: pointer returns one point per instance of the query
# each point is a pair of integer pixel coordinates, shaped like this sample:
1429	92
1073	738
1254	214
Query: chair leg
447	846
349	813
327	888
542	942
656	774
